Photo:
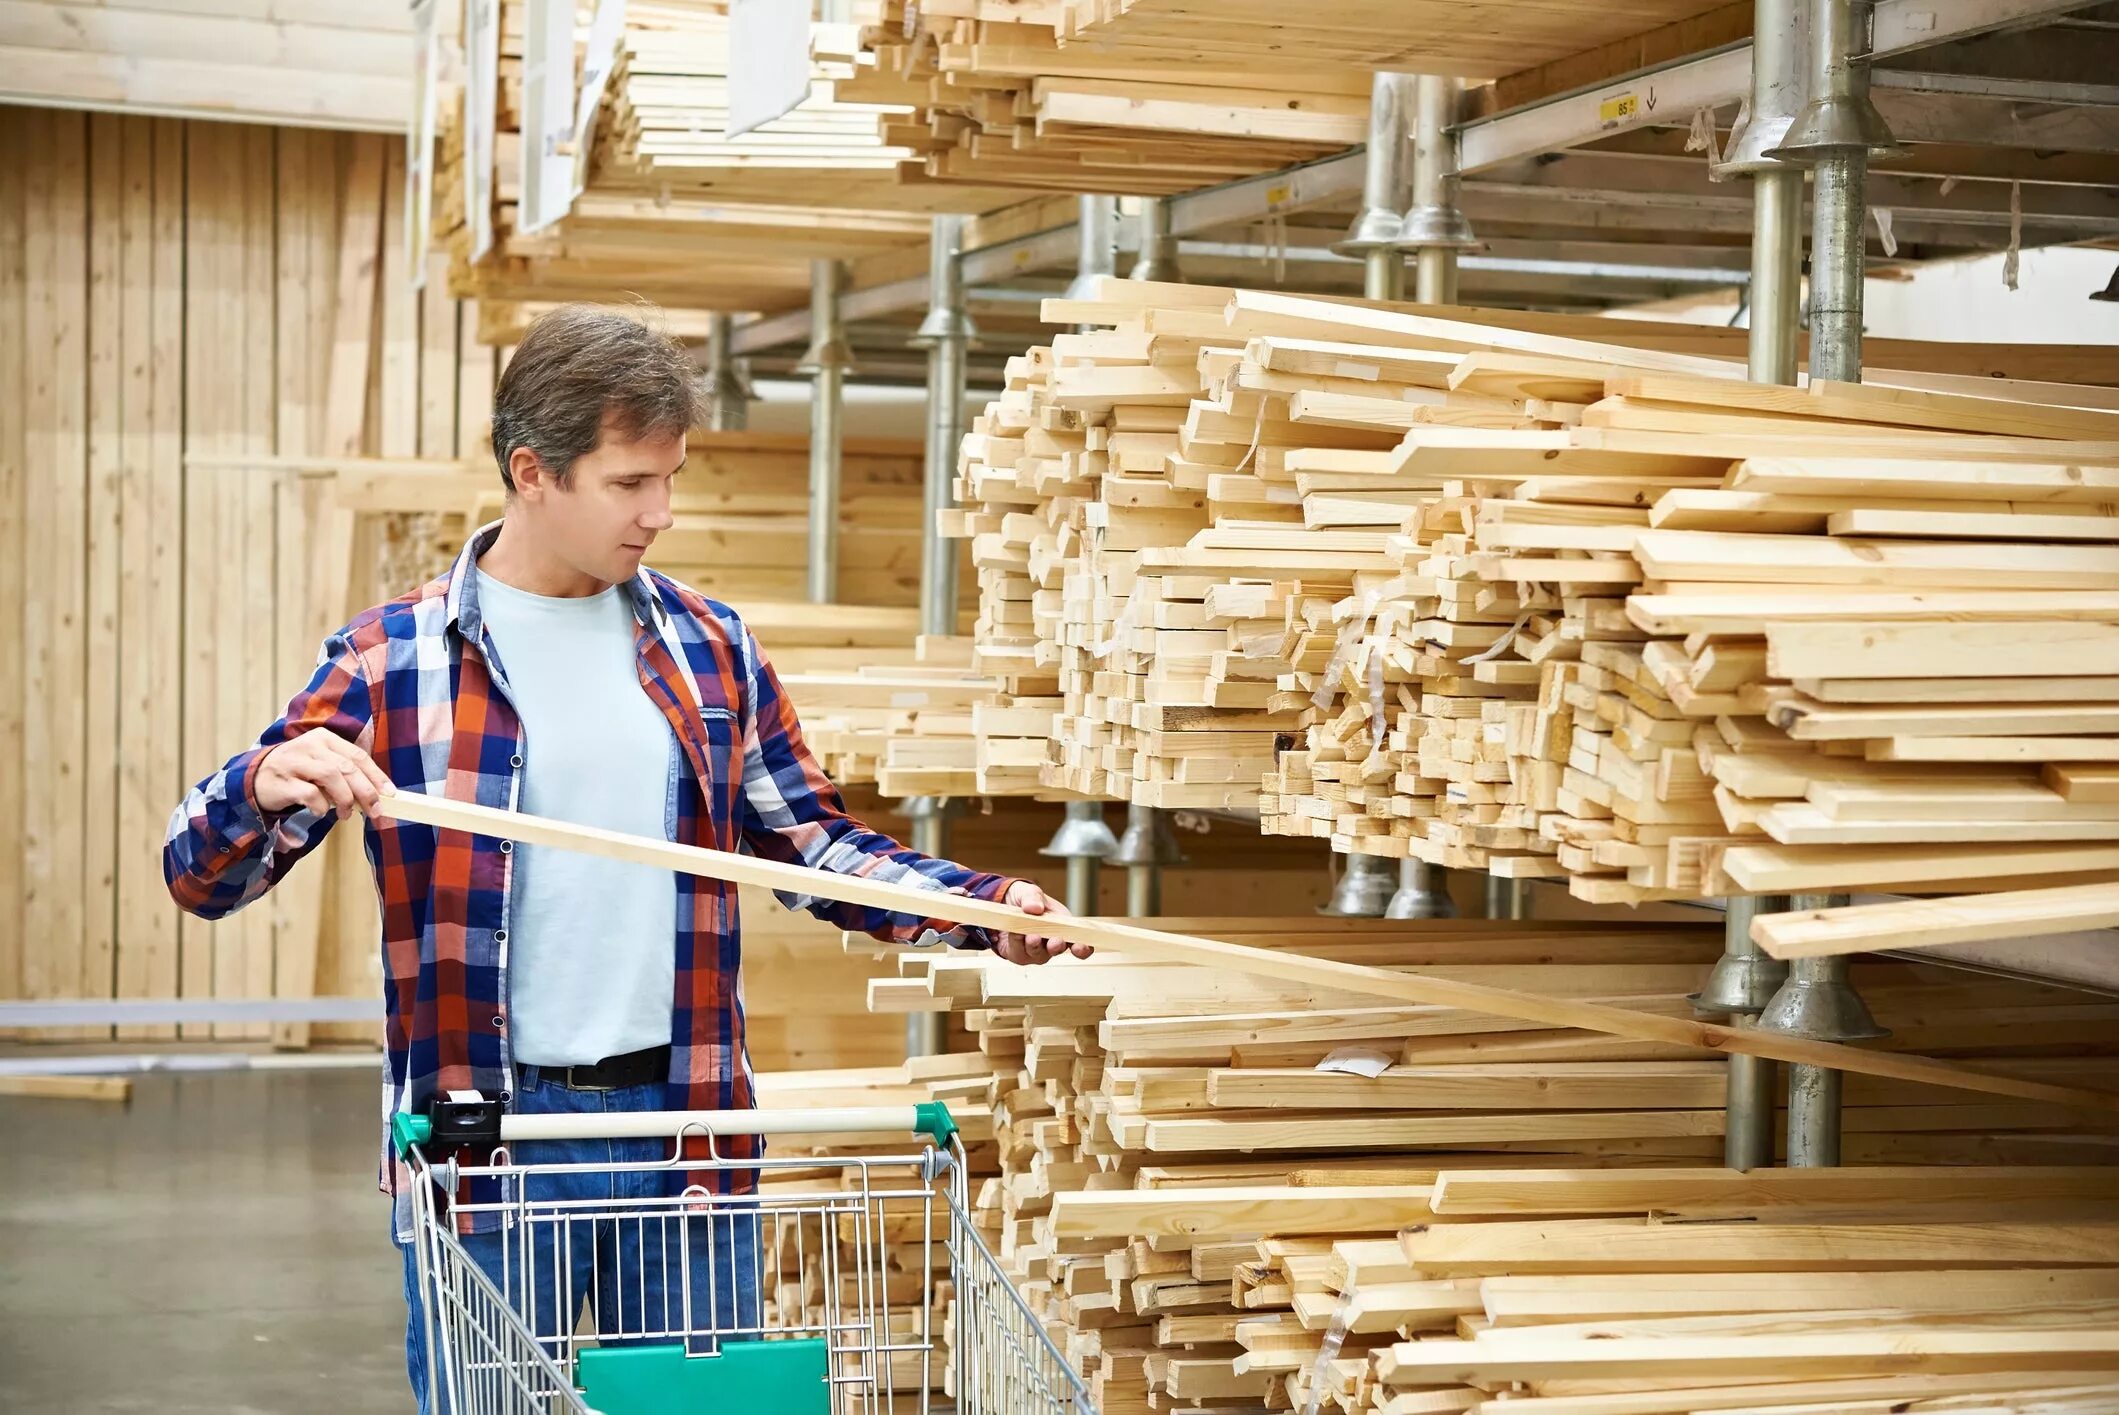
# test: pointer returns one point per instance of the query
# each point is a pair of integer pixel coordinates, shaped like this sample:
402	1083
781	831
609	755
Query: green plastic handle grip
935	1122
409	1130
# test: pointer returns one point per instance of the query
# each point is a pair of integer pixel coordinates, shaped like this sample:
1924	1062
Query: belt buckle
577	1080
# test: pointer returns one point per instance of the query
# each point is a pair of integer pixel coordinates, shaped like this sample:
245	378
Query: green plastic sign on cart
786	1377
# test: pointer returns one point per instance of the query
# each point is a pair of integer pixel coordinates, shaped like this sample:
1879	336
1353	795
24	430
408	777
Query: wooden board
1933	923
1149	943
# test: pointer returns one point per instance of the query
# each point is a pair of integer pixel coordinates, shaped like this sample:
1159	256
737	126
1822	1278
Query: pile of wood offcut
1594	609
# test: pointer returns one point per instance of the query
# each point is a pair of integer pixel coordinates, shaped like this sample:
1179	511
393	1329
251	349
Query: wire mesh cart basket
838	1285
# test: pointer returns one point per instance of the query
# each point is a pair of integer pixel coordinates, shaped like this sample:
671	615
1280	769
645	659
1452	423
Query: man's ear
527	471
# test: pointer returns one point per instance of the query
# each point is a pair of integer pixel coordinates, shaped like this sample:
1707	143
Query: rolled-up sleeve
222	851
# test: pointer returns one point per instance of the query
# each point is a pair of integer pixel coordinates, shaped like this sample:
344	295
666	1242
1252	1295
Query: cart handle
470	1119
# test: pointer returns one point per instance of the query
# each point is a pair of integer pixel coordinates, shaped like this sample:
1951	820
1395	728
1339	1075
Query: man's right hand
321	771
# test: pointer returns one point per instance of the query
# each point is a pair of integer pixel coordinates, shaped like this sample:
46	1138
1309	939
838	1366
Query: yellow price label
1275	196
1613	111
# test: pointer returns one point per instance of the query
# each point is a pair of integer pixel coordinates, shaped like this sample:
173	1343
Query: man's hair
580	367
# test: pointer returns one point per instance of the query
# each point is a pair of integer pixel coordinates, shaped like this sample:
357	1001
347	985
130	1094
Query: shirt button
515	760
507	847
500	935
500	1024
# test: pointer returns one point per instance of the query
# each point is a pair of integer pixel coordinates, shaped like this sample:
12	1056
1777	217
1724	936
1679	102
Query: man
548	672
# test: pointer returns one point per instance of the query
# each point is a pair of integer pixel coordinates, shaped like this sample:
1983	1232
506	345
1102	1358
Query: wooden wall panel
15	125
168	309
104	551
54	392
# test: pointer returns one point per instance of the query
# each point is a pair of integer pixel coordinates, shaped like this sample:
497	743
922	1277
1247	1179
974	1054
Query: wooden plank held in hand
1153	944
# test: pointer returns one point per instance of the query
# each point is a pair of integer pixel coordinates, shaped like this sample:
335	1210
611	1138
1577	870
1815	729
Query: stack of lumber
1205	1179
1548	606
1655	1290
997	100
1151	97
325	66
1715	635
1416	36
905	726
667	113
673	210
741	515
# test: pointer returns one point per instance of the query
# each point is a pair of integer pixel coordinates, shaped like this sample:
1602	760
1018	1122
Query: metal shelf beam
1673	92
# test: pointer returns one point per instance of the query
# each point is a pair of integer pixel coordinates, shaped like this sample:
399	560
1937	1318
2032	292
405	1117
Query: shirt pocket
724	779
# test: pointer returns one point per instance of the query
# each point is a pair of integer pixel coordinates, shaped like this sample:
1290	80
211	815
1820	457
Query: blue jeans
633	1275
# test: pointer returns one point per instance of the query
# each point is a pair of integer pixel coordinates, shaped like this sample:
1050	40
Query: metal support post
1435	227
1365	888
1384	188
827	363
1780	63
1818	1003
1744	980
1097	255
1423	892
1158	245
1838	131
1144	849
1084	842
728	390
946	334
925	1031
1506	899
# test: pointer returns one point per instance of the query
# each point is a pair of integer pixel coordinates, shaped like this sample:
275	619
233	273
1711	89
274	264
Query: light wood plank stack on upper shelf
995	100
1413	36
1198	1208
1150	98
312	65
673	210
1548	606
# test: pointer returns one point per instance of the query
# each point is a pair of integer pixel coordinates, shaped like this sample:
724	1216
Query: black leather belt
613	1073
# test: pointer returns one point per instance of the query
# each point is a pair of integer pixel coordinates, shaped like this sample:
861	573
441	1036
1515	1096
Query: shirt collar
461	596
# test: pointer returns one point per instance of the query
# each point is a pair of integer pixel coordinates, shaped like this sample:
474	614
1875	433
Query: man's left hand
1031	948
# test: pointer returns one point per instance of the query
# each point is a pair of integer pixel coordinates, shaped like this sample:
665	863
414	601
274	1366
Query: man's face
615	502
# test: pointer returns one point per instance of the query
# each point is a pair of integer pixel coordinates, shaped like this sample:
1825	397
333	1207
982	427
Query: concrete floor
217	1246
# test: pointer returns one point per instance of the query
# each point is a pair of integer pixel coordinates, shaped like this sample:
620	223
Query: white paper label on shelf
1358	1061
768	61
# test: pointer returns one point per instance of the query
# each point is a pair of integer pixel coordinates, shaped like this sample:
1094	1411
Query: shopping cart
814	1295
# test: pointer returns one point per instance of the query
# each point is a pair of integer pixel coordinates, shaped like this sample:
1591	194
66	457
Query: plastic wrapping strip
1258	428
2012	263
1334	1339
1885	232
1501	645
1346	645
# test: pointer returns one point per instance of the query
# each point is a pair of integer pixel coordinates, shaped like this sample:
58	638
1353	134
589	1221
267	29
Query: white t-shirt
592	961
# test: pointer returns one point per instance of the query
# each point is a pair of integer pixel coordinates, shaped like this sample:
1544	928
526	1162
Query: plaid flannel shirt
417	684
